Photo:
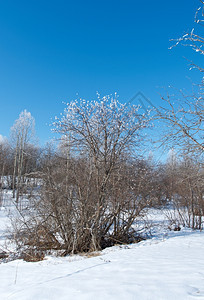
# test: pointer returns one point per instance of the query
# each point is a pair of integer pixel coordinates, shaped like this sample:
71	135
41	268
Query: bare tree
22	134
182	119
92	188
183	115
101	133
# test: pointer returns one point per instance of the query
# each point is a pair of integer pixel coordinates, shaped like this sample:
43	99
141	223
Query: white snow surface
168	266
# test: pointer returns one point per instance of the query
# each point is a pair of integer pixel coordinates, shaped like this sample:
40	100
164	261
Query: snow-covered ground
168	266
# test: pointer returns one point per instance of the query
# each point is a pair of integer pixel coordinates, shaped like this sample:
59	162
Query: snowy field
168	266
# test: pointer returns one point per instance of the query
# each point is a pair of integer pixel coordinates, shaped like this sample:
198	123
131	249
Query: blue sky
52	50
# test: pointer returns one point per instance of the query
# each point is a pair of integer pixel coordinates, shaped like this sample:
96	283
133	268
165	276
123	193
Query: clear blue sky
52	50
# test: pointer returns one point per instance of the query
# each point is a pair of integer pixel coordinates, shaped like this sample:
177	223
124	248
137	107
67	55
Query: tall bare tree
183	115
22	133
